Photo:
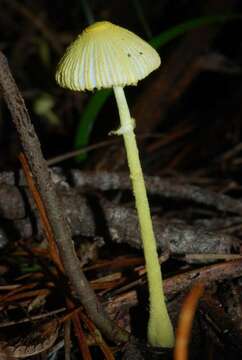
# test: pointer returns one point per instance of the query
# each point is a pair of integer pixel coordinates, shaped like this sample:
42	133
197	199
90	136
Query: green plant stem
86	124
160	330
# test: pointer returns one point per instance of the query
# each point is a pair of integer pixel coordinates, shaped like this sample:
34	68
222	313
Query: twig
32	318
53	206
42	212
97	337
71	154
67	339
28	295
206	274
82	342
214	257
74	153
185	322
17	290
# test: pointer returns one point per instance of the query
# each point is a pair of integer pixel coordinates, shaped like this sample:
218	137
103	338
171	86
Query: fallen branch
203	237
107	181
60	228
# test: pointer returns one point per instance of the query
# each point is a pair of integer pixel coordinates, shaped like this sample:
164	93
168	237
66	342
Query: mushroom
108	56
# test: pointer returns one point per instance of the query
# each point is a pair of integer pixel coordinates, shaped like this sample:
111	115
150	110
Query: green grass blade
180	29
88	118
97	100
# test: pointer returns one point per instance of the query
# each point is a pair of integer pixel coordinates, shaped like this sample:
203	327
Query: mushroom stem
160	330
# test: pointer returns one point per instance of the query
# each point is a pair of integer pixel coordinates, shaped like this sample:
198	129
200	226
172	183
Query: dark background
191	106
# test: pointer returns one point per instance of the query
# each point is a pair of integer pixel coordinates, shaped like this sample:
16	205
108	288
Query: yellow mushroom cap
106	55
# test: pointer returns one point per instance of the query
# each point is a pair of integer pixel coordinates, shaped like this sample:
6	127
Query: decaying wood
168	188
108	181
121	222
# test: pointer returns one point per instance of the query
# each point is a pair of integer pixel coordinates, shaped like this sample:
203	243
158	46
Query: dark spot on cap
129	55
140	53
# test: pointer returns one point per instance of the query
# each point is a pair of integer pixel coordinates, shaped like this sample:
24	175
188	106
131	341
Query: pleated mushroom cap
106	55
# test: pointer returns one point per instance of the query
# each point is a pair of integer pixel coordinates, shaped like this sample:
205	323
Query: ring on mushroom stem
124	129
104	56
